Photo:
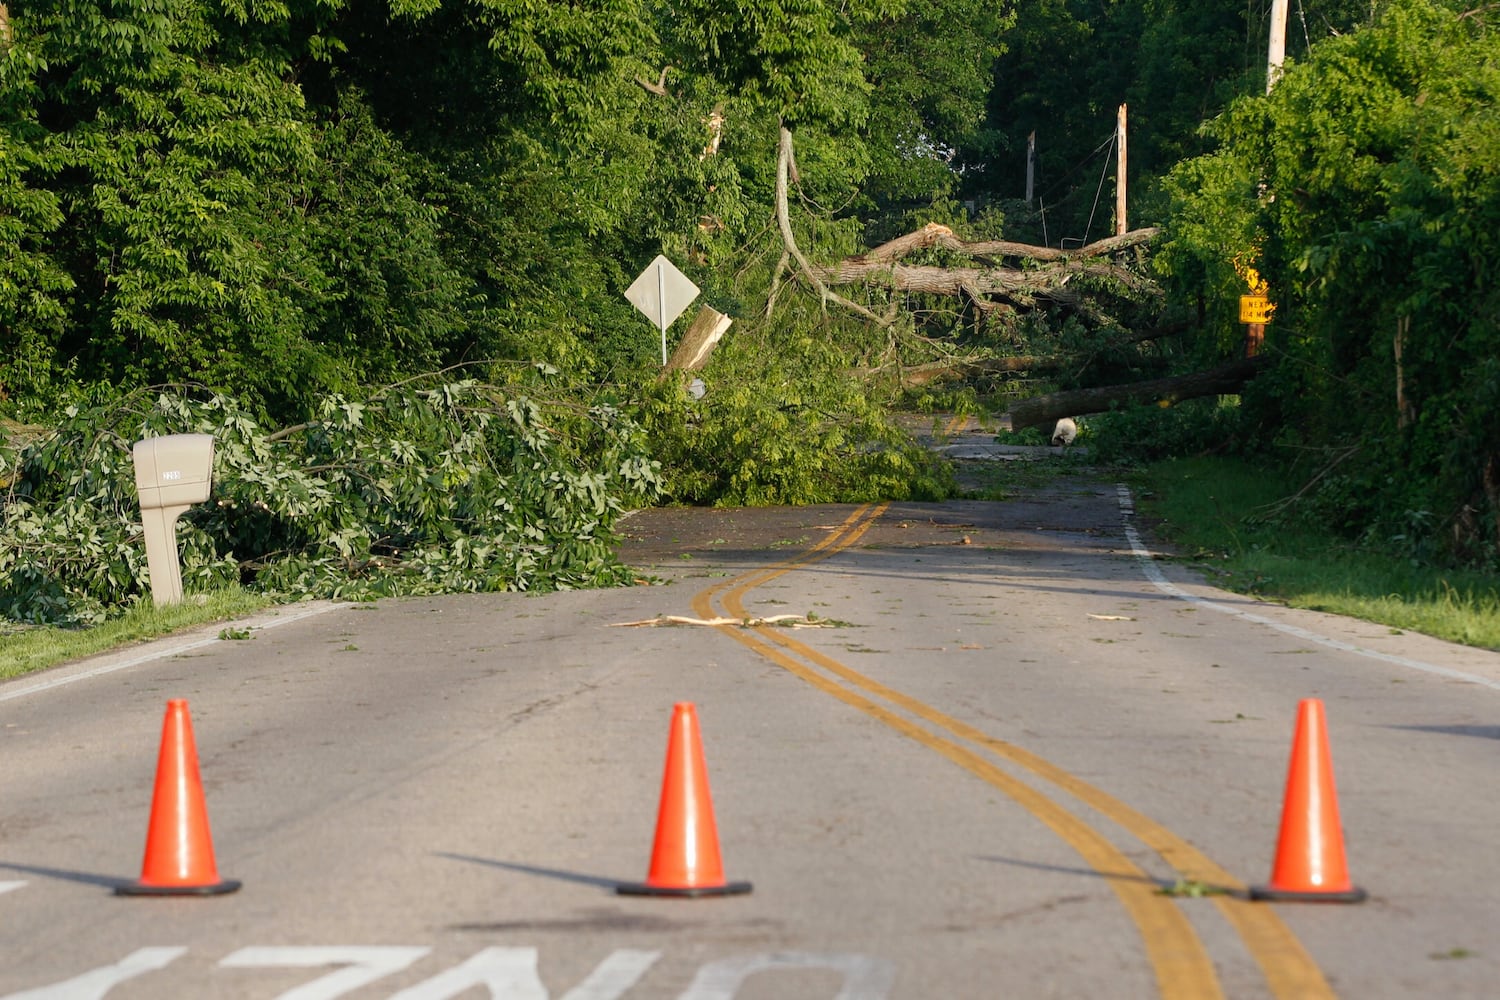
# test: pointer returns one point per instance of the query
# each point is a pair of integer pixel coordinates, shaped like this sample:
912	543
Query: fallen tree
1039	272
982	364
998	277
1041	411
991	286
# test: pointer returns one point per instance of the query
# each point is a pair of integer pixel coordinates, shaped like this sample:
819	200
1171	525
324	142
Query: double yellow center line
1181	965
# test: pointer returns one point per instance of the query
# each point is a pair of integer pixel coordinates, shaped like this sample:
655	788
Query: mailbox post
171	474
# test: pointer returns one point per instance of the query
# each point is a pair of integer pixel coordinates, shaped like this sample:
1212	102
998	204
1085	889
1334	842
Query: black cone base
689	892
141	889
1270	895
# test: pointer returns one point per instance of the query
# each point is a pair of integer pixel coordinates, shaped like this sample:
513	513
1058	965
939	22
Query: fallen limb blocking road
1043	410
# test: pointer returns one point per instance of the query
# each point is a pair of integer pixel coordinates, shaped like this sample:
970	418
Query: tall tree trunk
1403	405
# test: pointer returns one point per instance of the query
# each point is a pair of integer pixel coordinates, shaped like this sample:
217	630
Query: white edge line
9	886
1155	575
163	650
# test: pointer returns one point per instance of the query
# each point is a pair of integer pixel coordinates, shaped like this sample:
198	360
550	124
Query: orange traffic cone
685	860
179	850
1310	861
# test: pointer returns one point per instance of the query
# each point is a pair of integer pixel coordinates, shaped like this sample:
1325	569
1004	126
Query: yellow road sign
1255	309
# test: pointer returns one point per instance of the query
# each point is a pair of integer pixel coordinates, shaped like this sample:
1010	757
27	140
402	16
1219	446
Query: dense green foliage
286	200
1366	189
292	202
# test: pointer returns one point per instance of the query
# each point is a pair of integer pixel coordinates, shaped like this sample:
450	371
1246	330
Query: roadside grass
25	649
1215	512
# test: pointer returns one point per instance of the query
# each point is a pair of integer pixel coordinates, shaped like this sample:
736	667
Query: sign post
662	292
1255	313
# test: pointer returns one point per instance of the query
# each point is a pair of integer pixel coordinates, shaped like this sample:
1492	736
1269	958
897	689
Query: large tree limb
882	267
936	235
659	88
1047	274
1043	410
971	280
785	167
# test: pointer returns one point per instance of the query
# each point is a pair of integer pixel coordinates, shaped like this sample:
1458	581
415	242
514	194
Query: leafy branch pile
426	487
785	422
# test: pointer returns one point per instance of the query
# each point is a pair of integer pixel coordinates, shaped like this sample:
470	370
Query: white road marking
1143	555
865	978
506	973
511	974
10	886
159	650
614	976
362	965
94	984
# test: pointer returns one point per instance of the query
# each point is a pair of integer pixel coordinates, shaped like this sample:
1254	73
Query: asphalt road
1013	757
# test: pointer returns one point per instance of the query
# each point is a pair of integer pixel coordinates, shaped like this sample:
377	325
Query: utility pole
1276	53
1120	227
1030	167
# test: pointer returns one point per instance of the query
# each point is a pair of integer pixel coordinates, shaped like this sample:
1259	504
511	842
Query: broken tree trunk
979	366
935	235
1042	411
699	342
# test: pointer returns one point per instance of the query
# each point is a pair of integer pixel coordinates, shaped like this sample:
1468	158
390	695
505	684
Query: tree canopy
297	201
1366	190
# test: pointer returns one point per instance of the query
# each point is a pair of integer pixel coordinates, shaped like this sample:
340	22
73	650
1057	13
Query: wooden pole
1276	52
1120	227
1255	336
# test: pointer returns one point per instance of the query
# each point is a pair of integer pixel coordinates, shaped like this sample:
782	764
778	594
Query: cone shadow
63	875
552	873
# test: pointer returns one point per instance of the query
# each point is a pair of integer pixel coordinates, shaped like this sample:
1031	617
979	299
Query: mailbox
171	474
174	470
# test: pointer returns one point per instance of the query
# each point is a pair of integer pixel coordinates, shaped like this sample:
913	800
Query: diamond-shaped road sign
662	292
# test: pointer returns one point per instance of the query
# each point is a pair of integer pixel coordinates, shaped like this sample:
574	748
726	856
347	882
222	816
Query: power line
1102	174
1107	143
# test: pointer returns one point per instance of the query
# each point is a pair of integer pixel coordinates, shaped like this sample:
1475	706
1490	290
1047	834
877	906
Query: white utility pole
1276	53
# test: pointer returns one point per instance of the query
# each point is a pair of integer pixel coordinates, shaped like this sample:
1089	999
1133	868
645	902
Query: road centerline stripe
1288	969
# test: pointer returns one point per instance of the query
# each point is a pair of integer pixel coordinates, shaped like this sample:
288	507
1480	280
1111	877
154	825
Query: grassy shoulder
1219	515
26	650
